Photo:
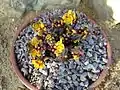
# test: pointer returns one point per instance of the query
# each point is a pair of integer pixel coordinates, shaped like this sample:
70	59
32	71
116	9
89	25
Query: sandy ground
9	19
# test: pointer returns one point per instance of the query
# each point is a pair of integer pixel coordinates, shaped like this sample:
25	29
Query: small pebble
82	84
76	83
68	78
82	78
25	72
101	44
43	72
86	62
104	60
86	83
89	54
65	87
91	41
79	88
74	77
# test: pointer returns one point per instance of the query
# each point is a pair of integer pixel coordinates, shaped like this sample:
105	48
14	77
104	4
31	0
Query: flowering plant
57	39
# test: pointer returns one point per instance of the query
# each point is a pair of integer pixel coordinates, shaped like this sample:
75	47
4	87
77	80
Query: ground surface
9	19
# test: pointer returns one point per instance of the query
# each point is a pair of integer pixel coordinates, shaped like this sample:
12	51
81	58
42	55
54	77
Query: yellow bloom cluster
35	53
76	57
49	37
59	47
69	17
39	27
34	42
38	64
74	31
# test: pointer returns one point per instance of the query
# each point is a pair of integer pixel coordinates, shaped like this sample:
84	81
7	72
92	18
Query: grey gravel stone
95	71
105	43
104	60
86	83
101	44
101	66
90	75
48	65
71	65
89	67
62	69
91	41
70	82
101	51
44	72
71	85
73	71
25	71
79	88
68	78
95	77
69	72
82	84
83	78
86	62
74	77
89	54
65	87
45	84
30	70
81	71
63	81
97	47
58	87
76	83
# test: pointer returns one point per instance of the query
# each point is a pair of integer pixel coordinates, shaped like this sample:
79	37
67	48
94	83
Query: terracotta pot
27	19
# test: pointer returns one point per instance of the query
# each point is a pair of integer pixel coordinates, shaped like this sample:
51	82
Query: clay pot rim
30	86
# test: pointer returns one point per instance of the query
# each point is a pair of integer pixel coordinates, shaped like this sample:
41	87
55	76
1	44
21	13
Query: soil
10	19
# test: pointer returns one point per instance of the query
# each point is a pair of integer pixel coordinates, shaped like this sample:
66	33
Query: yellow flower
38	64
39	27
76	41
74	31
35	53
76	57
59	46
49	37
34	42
85	34
69	17
68	30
